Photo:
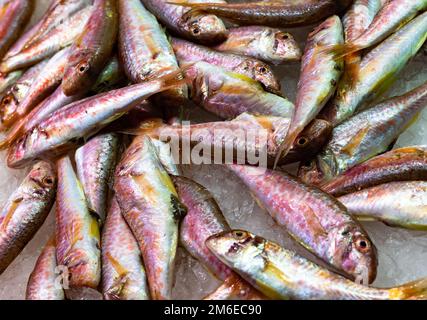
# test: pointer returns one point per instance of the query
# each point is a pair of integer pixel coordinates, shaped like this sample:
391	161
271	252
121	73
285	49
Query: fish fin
121	271
312	219
339	51
175	79
285	146
148	127
113	292
9	214
195	7
352	145
352	68
235	287
414	290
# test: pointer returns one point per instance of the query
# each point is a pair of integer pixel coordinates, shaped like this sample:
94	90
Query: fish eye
362	244
48	181
285	36
239	235
6	100
302	141
262	69
196	30
82	67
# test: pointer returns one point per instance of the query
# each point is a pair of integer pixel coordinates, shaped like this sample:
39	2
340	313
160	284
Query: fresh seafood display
157	132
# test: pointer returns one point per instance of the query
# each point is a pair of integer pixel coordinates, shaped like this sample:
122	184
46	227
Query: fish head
352	251
8	106
259	71
286	46
207	29
17	152
43	174
79	75
232	246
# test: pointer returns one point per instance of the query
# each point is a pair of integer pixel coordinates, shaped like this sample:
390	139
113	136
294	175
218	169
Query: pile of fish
88	92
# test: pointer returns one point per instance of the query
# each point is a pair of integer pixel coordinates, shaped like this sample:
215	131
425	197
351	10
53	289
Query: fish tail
340	51
415	290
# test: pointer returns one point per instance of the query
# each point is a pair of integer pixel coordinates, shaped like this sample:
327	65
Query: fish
81	119
187	52
319	77
377	71
46	81
403	164
201	28
247	136
235	288
203	219
17	93
228	94
314	219
150	205
369	133
271	45
380	203
92	49
240	135
59	37
282	274
391	17
57	12
42	283
274	14
14	15
95	163
110	78
123	273
145	49
25	211
78	246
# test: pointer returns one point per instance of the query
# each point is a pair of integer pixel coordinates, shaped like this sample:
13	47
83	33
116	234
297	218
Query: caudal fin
416	290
